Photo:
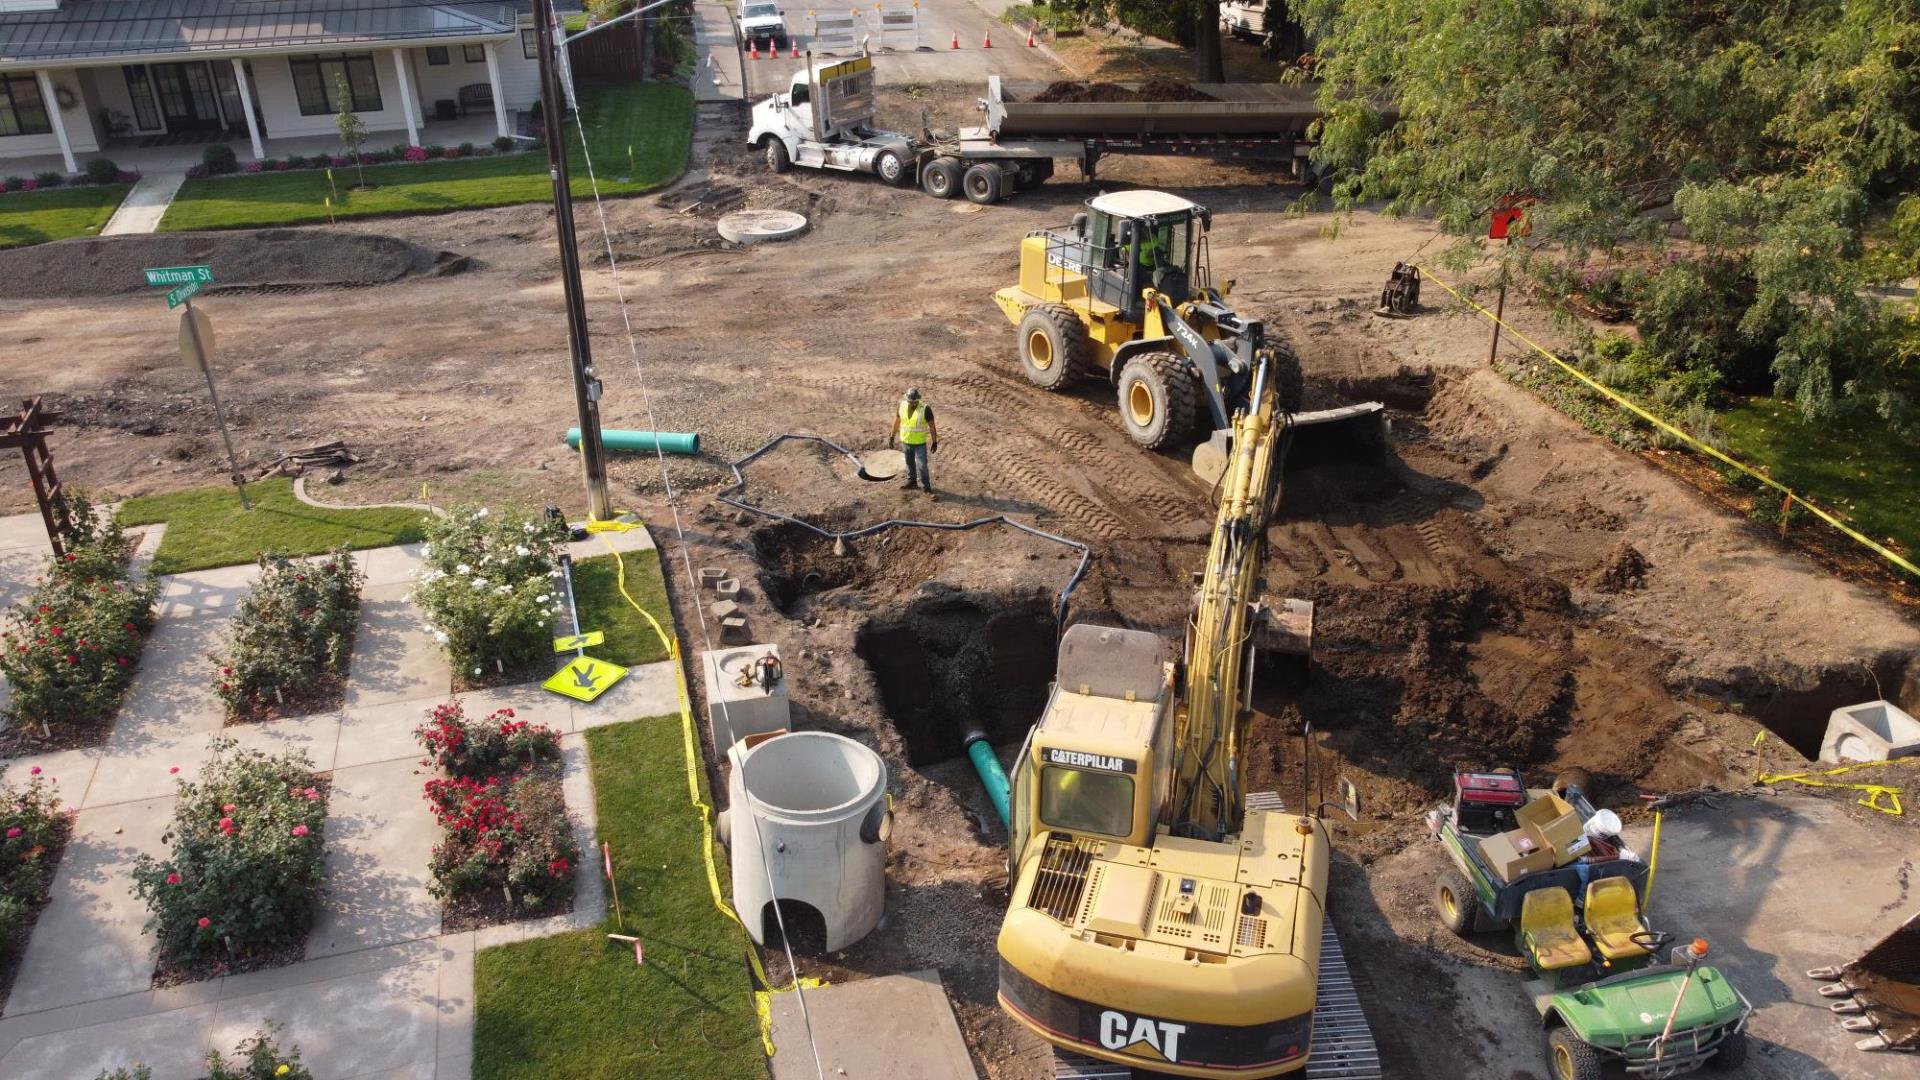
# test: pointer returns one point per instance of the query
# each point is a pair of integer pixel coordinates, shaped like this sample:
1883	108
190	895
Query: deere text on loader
1126	292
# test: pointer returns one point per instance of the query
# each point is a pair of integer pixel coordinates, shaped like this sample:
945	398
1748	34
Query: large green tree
1194	23
1784	136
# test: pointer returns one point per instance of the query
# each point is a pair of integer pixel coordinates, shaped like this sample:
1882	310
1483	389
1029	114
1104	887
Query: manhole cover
967	208
882	464
754	226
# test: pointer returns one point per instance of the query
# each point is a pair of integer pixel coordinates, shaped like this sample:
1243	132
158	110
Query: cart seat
1612	920
1546	924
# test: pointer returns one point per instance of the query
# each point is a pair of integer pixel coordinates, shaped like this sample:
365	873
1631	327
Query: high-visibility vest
913	423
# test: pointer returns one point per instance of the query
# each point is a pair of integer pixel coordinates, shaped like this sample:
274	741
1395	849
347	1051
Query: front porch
150	153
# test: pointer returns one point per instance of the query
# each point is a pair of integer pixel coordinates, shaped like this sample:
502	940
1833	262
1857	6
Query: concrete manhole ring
755	226
966	208
882	464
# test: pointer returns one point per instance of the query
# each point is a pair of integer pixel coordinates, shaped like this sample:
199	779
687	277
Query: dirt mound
108	266
1623	570
1158	88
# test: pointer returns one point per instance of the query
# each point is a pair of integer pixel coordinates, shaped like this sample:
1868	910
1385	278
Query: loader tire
1157	391
941	177
1055	349
984	183
893	169
777	159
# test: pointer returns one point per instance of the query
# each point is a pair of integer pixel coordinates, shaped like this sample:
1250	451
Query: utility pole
586	384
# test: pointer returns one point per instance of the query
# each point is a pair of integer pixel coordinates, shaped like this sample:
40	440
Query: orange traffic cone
988	43
1029	38
956	40
753	49
796	48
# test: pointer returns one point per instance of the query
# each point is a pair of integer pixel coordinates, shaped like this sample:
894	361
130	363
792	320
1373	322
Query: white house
81	76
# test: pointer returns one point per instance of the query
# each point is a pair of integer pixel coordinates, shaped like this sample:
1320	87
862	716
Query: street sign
196	338
576	642
179	294
585	678
179	275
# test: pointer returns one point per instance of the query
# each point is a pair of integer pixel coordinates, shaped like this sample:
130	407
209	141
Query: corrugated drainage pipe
992	776
671	442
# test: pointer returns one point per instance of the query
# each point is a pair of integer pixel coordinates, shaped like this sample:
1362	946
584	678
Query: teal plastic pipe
992	776
672	442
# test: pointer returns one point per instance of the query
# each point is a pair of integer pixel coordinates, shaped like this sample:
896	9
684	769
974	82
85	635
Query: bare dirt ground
1476	605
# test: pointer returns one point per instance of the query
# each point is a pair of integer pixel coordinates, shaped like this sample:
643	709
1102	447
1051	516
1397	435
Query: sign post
1509	216
196	348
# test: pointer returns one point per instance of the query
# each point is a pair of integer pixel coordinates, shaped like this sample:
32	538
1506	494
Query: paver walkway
146	204
382	992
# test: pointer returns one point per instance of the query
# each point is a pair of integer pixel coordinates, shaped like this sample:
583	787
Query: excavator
1161	917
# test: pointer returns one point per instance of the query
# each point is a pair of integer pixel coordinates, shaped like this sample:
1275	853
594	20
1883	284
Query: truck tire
1457	903
941	177
1157	391
1731	1054
1569	1058
984	183
1055	349
777	159
892	169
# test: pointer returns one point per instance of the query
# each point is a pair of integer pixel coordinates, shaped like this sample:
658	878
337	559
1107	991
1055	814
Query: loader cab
1136	240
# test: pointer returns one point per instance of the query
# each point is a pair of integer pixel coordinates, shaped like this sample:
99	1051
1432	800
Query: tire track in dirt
1024	473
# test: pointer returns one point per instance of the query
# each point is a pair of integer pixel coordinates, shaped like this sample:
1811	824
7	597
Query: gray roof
104	28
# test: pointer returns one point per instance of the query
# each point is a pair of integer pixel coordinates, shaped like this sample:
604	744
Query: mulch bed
325	695
14	950
489	679
24	738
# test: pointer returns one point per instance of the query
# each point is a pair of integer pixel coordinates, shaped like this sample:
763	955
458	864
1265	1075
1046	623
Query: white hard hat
1603	823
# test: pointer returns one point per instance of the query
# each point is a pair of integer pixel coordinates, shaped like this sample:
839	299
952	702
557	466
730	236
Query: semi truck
824	120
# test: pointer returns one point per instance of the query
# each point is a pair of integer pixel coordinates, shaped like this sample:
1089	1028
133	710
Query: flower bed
490	590
33	833
287	652
70	647
243	882
402	153
508	851
257	1057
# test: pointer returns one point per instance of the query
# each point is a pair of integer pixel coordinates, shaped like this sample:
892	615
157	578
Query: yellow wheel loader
1126	291
1159	915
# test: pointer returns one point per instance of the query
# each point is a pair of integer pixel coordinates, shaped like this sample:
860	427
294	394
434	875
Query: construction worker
914	428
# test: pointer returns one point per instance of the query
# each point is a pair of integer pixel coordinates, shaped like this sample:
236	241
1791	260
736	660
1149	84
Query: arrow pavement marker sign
585	678
576	642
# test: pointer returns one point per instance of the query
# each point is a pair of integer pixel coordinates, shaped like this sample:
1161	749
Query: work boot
931	497
910	486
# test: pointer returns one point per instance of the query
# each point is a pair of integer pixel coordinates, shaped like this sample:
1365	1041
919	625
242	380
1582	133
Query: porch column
60	122
246	107
406	96
493	80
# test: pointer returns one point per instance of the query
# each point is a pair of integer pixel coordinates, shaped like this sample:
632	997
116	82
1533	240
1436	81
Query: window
437	56
1081	800
316	81
146	114
474	54
22	112
530	44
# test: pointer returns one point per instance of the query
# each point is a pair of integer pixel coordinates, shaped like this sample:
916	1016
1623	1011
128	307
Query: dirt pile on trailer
1158	88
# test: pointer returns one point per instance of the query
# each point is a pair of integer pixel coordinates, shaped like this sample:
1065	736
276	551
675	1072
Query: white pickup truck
764	24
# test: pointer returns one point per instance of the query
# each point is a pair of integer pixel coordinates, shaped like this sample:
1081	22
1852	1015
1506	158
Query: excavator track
1343	1046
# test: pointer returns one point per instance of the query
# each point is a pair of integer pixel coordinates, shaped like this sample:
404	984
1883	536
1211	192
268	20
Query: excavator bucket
1348	433
1881	991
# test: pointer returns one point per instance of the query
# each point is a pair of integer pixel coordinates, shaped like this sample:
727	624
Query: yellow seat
1546	924
1612	920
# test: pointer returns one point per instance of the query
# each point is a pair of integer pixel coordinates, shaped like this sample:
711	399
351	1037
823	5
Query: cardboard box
1503	854
1553	825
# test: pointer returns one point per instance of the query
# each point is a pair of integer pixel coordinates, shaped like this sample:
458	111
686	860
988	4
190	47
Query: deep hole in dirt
799	565
953	661
1799	715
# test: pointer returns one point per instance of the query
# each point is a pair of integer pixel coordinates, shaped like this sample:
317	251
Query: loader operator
913	426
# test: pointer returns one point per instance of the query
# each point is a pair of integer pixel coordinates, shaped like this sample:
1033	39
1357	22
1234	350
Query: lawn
1858	471
35	217
639	132
596	591
206	527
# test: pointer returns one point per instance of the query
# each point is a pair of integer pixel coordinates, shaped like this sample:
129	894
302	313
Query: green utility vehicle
1602	991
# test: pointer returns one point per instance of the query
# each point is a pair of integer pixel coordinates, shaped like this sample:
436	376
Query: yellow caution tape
1874	792
763	1005
1792	497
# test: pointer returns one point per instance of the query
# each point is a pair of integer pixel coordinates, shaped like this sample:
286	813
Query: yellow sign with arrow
585	678
576	642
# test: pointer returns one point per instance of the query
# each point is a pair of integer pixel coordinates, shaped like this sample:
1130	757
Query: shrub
219	159
127	176
503	143
30	837
339	161
13	183
198	172
102	170
28	185
245	873
452	153
282	166
369	159
467	149
488	588
137	1071
496	746
509	834
434	150
416	153
256	166
292	632
258	1057
49	179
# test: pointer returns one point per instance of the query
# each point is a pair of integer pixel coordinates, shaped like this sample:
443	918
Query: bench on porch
475	96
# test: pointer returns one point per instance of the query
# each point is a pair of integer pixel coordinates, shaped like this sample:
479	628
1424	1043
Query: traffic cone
988	43
1029	38
796	48
753	49
956	40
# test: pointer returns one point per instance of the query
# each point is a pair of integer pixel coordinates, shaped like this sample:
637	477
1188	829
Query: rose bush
258	1057
490	588
495	746
245	873
32	830
292	632
503	832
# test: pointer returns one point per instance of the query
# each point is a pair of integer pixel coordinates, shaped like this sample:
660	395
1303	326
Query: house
85	76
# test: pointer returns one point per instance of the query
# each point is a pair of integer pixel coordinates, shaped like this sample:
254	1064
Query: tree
1782	136
353	132
1195	23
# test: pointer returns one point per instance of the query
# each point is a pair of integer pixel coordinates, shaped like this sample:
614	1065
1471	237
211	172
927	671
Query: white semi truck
825	121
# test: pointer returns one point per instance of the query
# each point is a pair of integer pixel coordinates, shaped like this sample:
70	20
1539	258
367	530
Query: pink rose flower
173	879
205	922
299	830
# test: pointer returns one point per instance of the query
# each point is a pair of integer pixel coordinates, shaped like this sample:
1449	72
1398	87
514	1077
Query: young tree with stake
353	132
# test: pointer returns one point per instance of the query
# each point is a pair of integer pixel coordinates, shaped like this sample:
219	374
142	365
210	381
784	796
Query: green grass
1858	471
639	133
630	640
575	1005
206	527
35	217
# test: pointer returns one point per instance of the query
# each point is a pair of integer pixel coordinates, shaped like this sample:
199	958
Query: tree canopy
1785	138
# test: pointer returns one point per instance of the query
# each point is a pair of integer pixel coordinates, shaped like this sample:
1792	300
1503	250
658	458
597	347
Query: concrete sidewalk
146	204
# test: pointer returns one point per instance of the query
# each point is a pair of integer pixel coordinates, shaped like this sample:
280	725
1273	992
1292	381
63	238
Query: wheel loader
1126	293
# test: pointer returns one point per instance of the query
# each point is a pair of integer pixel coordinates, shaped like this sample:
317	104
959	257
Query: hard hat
1603	823
913	393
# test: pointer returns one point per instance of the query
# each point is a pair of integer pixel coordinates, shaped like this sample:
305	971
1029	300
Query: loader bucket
1348	433
1886	980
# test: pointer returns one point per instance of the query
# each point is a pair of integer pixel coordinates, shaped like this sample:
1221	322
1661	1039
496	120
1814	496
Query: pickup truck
764	24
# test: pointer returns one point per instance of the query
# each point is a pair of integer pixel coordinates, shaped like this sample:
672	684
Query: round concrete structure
809	824
758	226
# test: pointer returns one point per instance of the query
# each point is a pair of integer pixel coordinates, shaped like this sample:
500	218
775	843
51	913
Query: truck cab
763	23
824	120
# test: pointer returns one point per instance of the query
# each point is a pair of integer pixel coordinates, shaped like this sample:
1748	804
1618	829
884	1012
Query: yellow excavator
1160	916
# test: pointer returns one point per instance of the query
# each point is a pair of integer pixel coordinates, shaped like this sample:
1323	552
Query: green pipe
992	776
672	442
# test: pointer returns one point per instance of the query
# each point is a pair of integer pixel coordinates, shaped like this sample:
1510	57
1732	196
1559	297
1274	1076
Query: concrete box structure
735	711
1875	731
809	824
